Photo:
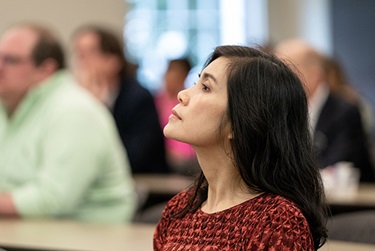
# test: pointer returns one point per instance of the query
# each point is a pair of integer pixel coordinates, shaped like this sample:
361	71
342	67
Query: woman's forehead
216	70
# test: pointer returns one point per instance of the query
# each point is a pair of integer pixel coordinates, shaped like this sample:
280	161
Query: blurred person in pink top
181	156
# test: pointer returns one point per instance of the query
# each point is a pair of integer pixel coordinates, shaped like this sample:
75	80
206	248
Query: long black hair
272	148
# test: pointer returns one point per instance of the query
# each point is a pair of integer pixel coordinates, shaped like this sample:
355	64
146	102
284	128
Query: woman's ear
230	136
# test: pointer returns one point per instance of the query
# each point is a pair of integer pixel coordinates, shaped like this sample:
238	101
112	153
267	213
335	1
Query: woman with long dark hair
260	188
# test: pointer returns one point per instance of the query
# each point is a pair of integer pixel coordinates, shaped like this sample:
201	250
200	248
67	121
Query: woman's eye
205	88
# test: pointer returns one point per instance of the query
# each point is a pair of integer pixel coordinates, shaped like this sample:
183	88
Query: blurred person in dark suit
339	84
100	66
337	126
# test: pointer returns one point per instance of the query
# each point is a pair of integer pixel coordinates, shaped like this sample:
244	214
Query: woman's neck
225	186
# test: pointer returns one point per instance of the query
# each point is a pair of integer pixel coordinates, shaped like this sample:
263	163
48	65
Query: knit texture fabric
266	222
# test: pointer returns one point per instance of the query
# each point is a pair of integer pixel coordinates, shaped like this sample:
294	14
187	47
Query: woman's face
197	118
88	55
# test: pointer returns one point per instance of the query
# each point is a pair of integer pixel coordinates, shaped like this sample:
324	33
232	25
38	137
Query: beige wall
308	19
63	16
283	19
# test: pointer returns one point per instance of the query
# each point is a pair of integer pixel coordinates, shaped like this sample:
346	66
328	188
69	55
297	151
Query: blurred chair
151	215
144	213
142	196
353	227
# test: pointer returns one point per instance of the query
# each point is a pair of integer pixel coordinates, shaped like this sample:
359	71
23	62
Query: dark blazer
339	136
138	124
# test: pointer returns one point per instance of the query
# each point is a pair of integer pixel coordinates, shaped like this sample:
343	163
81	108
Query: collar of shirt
316	103
111	98
35	95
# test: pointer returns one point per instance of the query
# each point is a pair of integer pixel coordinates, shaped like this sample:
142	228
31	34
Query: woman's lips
175	115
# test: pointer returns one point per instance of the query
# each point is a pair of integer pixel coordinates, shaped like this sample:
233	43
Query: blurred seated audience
181	156
100	66
338	131
60	152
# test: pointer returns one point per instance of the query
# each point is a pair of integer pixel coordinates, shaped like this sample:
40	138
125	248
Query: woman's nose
183	97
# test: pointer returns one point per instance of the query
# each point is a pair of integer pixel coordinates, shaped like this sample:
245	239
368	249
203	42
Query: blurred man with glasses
60	154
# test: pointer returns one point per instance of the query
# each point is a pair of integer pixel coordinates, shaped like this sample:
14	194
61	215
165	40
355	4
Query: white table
172	184
346	246
364	197
163	184
69	235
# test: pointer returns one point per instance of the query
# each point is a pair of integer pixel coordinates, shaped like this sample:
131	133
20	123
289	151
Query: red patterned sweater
267	222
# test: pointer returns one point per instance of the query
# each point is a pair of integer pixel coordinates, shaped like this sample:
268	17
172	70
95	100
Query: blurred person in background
339	85
100	66
60	152
337	126
181	156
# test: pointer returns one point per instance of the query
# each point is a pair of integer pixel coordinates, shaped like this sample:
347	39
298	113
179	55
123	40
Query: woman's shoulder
181	198
281	220
274	209
276	204
179	201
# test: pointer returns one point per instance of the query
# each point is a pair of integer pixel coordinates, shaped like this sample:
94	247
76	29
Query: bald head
29	54
307	61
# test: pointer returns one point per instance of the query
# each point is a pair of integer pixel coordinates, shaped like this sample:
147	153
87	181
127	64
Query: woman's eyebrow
206	75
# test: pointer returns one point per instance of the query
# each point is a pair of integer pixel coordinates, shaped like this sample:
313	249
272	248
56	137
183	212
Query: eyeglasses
13	60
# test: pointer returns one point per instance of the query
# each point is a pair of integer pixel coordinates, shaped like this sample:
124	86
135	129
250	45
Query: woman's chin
168	132
171	133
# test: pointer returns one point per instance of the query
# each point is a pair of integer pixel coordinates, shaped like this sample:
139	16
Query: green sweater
60	156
